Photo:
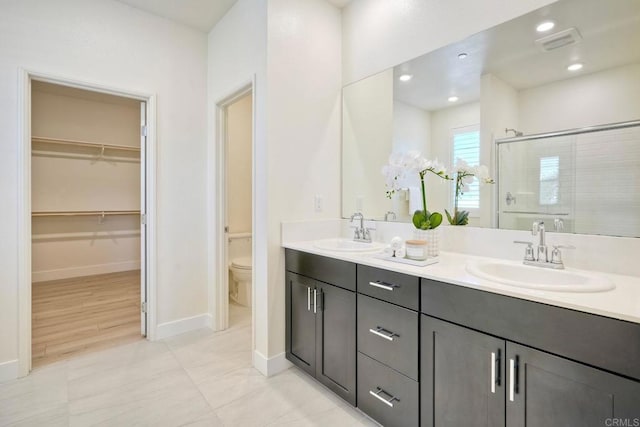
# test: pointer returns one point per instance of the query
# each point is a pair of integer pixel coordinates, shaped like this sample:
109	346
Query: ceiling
610	32
202	15
199	14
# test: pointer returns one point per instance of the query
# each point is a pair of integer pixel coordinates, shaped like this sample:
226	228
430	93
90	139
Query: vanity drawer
389	286
386	395
389	334
333	271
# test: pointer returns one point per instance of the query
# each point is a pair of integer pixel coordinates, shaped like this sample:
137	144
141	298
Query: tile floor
200	378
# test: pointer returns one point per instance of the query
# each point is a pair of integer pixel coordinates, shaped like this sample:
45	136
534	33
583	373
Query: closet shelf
84	144
83	213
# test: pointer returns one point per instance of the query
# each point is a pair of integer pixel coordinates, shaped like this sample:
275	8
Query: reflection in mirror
582	181
512	77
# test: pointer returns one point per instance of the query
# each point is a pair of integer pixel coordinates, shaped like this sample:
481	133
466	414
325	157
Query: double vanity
467	341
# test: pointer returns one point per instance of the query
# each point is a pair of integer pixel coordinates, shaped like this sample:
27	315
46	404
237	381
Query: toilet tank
239	245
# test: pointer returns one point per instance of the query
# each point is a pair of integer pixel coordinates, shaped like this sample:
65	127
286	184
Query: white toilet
240	268
240	287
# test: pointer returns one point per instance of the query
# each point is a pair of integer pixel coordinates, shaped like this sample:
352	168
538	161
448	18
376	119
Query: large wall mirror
512	98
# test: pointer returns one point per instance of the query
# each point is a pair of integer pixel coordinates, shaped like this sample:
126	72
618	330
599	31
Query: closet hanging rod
83	213
84	143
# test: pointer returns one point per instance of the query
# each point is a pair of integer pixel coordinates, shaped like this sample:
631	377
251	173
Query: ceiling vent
559	39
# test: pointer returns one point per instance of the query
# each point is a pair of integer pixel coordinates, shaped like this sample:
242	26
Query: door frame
25	77
220	276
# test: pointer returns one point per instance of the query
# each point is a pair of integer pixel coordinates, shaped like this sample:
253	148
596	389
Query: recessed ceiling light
545	26
462	55
575	67
405	77
453	98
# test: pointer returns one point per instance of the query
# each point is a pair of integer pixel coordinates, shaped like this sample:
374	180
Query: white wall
296	136
411	129
239	164
367	137
303	135
379	34
443	122
231	66
608	96
109	43
498	111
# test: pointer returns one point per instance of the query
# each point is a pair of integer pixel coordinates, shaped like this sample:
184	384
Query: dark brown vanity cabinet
388	342
483	378
413	351
321	321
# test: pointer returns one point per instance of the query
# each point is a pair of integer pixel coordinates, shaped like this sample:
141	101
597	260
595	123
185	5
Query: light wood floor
83	314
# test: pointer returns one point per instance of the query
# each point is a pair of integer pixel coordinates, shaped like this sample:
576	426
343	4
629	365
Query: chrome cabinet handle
308	298
315	297
512	374
388	402
383	333
493	372
383	285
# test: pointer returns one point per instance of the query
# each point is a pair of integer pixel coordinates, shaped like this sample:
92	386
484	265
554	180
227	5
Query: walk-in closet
86	195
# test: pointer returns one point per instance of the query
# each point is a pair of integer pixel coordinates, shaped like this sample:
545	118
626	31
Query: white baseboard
85	270
8	370
180	326
270	366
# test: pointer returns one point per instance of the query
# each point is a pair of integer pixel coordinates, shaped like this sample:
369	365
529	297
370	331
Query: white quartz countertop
622	303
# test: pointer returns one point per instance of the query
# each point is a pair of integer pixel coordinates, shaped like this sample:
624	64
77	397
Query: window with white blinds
549	180
466	146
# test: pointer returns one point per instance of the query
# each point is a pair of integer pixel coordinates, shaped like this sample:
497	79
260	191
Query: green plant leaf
435	219
463	218
418	219
449	217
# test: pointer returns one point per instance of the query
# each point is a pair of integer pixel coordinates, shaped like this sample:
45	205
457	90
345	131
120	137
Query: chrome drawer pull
308	298
383	285
315	300
383	333
388	402
512	374
493	372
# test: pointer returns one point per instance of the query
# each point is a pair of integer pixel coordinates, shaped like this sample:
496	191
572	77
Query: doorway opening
84	272
235	211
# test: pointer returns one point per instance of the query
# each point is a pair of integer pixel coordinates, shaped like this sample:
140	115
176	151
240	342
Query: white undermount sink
532	277
347	245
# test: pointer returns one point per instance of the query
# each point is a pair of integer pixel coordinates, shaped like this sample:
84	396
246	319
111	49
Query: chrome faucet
391	214
361	233
538	229
540	257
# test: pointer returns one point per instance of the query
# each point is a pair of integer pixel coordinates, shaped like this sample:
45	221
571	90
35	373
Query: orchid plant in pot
403	166
464	176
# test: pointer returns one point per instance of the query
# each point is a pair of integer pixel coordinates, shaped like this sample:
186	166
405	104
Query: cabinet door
300	322
545	390
462	376
336	340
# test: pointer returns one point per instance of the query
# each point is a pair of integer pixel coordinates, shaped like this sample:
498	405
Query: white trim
9	370
180	326
270	366
85	270
151	155
24	223
24	201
